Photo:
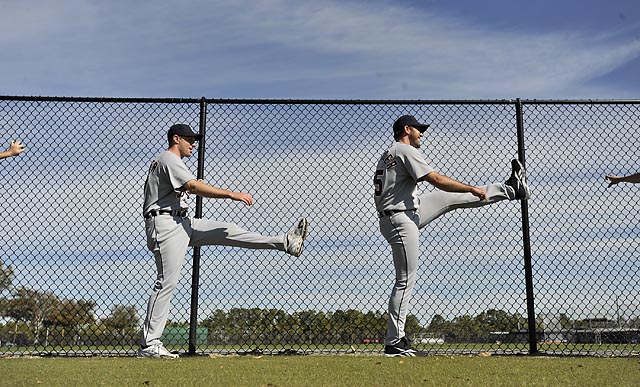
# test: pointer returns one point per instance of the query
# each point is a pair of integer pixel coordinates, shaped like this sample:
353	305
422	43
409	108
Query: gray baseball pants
168	238
401	230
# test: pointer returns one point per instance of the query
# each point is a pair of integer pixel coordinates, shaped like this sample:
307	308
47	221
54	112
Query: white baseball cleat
296	237
518	181
156	351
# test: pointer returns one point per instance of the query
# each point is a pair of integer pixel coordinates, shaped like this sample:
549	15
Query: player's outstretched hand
16	148
479	192
613	180
242	197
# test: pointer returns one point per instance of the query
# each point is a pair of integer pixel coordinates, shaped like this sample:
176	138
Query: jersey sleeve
415	163
178	173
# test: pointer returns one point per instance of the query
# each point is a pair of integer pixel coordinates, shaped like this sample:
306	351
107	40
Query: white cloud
293	49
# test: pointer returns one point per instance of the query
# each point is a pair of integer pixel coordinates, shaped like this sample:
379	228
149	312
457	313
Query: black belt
181	212
391	212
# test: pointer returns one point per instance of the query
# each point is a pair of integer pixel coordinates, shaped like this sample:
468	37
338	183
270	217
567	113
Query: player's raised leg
434	204
210	232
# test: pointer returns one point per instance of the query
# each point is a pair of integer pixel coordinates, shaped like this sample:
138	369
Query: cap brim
421	128
194	135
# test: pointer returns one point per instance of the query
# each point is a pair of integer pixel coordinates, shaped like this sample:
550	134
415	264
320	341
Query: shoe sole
143	355
521	177
156	357
305	229
304	225
406	354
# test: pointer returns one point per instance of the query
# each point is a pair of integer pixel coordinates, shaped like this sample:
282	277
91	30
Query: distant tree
239	322
271	326
122	318
33	307
356	326
322	328
6	276
494	320
438	324
268	327
72	313
122	323
68	318
412	325
465	328
217	326
339	321
375	325
634	323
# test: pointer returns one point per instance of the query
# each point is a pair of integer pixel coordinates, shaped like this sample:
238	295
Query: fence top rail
98	99
580	101
320	101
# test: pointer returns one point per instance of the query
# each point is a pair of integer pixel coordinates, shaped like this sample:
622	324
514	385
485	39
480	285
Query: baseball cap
183	130
398	126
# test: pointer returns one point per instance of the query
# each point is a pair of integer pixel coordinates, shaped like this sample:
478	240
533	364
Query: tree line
40	318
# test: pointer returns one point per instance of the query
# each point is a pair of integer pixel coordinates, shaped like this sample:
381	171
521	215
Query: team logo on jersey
158	284
153	166
181	193
390	162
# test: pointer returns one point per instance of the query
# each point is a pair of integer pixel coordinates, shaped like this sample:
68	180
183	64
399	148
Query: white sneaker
157	351
296	237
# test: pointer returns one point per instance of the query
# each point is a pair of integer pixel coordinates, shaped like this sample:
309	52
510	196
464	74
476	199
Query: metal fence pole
195	275
528	272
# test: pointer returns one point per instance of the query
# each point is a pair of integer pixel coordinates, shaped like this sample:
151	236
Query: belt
391	212
181	212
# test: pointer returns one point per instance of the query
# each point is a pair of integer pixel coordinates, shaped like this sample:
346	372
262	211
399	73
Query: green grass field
564	349
345	370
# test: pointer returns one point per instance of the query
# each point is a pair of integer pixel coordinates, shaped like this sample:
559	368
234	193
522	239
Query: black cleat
401	349
518	181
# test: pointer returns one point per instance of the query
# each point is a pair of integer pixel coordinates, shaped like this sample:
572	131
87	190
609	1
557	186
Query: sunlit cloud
288	49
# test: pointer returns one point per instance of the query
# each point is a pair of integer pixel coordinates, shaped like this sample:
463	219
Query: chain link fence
585	236
75	272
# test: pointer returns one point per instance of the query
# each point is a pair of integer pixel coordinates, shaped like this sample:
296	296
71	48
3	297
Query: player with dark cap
402	213
170	231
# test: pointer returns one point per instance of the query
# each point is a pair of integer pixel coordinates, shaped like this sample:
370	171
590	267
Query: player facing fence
170	231
402	213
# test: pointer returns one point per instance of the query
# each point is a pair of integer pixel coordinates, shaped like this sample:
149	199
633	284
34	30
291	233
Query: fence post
528	272
195	275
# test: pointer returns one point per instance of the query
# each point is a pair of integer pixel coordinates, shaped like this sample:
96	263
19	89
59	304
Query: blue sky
349	49
324	49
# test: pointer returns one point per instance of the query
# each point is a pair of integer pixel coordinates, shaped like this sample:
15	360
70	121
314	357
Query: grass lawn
346	370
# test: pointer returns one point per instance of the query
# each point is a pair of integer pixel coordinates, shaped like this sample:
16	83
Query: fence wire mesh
75	272
586	235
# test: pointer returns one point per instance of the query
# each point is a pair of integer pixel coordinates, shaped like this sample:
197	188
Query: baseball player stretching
170	231
403	213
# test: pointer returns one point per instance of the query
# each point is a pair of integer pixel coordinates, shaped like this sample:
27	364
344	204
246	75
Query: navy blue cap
400	123
183	130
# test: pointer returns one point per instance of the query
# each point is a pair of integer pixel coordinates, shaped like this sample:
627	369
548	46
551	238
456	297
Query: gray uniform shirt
397	174
163	188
